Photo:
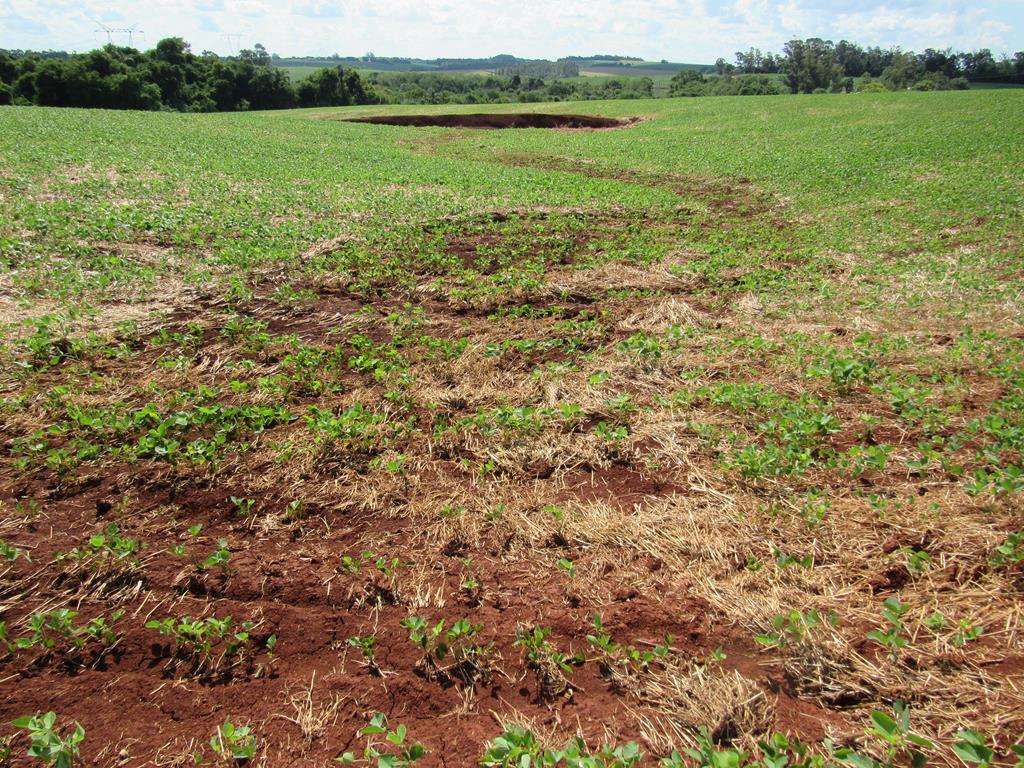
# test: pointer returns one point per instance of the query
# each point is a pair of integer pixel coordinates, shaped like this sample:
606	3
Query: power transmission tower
108	30
129	31
132	31
233	46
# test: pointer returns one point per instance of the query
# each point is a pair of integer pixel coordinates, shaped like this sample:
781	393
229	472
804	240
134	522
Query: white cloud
915	28
316	9
678	30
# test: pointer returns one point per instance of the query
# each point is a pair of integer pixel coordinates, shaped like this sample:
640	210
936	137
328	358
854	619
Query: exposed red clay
528	120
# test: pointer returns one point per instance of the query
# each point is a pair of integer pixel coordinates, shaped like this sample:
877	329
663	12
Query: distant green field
323	440
298	73
638	70
656	70
994	86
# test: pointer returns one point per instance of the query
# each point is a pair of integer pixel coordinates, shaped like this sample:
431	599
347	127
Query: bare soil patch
528	120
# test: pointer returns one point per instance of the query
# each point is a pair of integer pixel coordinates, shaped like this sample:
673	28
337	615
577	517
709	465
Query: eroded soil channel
529	120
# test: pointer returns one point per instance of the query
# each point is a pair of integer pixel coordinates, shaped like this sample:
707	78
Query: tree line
436	88
171	77
692	82
820	66
816	64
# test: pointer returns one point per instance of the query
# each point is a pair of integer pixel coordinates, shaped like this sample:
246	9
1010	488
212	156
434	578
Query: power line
108	30
130	32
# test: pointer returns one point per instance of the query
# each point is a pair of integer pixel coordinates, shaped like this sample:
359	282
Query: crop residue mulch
523	458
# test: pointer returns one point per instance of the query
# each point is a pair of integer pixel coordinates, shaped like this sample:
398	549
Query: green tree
332	87
687	82
811	65
904	71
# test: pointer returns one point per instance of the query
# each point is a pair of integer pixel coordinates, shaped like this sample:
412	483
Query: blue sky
677	30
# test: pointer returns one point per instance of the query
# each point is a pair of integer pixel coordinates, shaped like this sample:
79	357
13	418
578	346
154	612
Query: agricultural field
299	73
637	68
693	442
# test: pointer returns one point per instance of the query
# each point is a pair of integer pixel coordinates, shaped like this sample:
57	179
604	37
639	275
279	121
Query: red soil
527	120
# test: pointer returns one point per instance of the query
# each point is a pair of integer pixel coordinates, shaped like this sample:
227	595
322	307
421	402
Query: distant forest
440	88
815	64
172	77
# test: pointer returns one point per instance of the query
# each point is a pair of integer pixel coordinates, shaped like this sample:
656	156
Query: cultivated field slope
714	421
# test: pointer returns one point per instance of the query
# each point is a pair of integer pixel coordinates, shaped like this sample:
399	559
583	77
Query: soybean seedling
367	648
378	586
47	742
234	743
57	631
180	550
390	752
567	567
213	646
966	632
10	553
891	637
898	740
548	663
971	747
470	584
1011	551
218	559
243	506
614	658
470	660
294	510
790	628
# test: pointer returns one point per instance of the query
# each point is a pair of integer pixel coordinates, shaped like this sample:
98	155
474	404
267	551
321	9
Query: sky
676	30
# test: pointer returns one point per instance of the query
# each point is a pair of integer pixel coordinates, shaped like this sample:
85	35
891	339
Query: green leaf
903	712
856	760
972	752
416	751
885	724
397	736
920	741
